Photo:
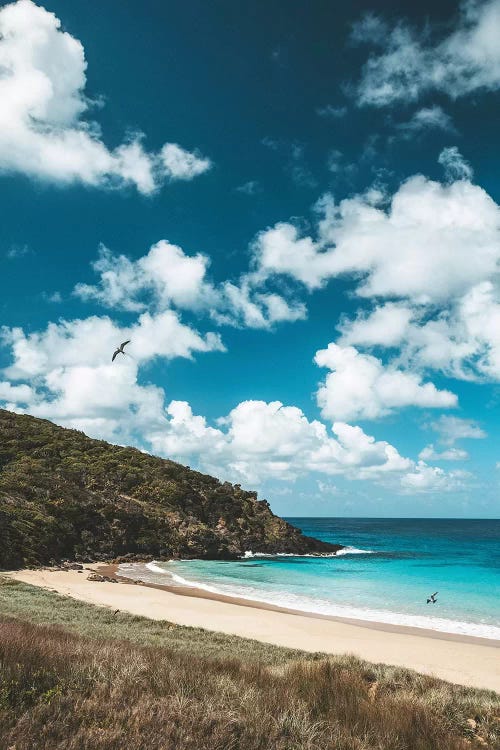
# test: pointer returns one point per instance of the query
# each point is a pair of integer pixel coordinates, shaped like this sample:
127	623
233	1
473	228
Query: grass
74	677
41	607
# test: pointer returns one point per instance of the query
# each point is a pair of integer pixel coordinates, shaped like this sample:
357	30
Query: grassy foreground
74	676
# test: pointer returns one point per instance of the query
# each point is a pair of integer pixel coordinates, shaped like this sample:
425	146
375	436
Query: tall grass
39	606
61	690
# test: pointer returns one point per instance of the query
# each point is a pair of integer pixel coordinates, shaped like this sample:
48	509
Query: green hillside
64	495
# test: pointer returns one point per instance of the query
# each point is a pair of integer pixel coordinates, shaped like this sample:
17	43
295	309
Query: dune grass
74	676
41	607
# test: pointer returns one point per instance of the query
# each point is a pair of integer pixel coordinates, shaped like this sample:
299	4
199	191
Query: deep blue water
386	574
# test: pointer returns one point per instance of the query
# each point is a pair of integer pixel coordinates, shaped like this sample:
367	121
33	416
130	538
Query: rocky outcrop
64	495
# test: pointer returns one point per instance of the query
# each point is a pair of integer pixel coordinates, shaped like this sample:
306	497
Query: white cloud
454	164
166	277
360	386
417	247
280	250
427	118
165	272
259	440
425	478
15	394
91	342
69	378
386	325
414	249
451	454
181	164
413	63
42	133
451	429
460	338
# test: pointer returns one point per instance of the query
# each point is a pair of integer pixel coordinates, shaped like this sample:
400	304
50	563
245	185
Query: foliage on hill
64	495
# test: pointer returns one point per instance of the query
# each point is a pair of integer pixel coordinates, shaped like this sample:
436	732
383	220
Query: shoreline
111	569
463	660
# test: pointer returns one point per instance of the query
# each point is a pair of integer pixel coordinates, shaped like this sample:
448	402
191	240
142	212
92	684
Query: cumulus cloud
259	440
413	63
181	164
426	478
429	453
64	373
89	342
43	133
408	257
460	337
14	395
416	247
166	277
413	249
165	272
360	386
386	325
69	377
451	429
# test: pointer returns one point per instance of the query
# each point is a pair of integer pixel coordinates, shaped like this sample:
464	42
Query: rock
95	577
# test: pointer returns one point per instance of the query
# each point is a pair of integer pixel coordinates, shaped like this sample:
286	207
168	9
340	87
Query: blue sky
291	211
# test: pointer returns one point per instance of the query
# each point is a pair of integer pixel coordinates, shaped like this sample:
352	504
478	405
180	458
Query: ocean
385	574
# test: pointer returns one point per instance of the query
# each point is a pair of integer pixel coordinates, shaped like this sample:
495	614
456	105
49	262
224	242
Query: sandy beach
463	660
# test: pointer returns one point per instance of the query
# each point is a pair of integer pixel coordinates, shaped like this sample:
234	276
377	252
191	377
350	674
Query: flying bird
120	349
432	599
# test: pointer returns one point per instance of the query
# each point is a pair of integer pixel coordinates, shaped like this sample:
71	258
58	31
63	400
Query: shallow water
388	570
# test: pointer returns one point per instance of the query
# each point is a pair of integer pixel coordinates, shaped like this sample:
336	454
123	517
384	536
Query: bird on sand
120	350
432	599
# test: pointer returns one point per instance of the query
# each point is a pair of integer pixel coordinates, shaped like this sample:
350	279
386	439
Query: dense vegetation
158	686
63	495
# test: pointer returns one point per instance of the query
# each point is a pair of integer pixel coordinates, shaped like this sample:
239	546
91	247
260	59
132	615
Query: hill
65	495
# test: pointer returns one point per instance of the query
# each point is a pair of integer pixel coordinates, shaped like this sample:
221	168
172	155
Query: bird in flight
432	599
120	349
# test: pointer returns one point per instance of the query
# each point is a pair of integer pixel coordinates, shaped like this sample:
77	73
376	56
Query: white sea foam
354	551
155	567
248	554
344	551
289	600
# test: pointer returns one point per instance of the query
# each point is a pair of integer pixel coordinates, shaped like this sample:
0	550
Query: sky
291	210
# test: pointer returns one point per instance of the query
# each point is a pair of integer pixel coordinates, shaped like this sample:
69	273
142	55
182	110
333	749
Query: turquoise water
385	574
